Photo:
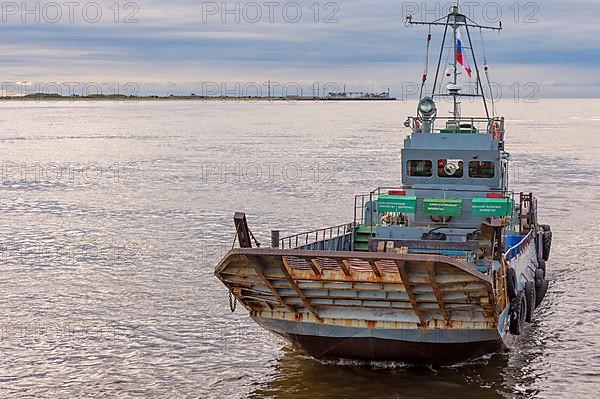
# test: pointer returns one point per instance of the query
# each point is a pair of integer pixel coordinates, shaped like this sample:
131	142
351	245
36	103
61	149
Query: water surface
115	214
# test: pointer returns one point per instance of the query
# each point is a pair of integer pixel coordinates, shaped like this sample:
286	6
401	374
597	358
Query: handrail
494	126
359	212
304	239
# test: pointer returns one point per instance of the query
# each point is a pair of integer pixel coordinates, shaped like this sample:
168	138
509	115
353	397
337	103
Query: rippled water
114	215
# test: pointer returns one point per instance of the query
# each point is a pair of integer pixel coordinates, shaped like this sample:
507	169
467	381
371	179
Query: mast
454	14
455	20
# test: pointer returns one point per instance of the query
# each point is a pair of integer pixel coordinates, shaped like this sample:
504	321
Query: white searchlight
427	109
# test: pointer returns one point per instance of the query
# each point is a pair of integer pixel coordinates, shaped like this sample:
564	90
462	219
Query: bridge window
420	168
451	168
481	169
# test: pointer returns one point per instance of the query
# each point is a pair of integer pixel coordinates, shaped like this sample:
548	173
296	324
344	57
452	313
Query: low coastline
124	98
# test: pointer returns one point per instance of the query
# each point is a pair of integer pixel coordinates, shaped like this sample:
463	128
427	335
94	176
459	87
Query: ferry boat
447	267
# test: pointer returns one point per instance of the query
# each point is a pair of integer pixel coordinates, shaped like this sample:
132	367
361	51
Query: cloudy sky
183	46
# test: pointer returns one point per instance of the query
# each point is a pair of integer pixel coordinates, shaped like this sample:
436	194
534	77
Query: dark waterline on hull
375	349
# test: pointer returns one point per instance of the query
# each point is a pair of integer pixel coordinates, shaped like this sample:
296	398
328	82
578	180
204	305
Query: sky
547	48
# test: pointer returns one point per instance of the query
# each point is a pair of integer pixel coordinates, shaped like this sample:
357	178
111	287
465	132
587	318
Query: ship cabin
453	201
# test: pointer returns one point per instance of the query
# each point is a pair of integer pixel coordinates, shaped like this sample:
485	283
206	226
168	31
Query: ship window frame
440	169
410	168
471	174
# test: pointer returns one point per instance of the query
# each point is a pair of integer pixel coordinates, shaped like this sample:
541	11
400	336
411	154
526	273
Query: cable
446	63
426	71
487	75
254	238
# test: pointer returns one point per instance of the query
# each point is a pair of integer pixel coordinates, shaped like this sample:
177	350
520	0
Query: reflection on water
304	378
106	267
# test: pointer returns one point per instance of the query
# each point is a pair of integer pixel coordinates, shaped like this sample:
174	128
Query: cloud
185	42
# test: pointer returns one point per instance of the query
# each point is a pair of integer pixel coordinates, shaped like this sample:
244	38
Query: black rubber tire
540	291
523	309
545	227
516	318
530	298
511	283
546	244
542	266
539	277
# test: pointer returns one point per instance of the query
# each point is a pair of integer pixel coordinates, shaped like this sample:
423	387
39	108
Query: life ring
496	130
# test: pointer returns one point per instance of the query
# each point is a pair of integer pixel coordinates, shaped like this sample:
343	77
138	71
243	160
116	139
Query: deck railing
311	237
473	125
362	200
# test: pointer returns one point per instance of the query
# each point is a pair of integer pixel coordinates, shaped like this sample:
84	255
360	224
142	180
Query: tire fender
530	300
516	315
511	283
541	287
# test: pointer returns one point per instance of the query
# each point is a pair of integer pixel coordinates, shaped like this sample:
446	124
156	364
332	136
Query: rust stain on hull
364	290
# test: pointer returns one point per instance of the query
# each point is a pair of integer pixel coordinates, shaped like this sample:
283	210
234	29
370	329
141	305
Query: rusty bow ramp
375	306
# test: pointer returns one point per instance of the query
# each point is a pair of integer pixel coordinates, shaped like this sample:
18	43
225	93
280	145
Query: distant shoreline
124	98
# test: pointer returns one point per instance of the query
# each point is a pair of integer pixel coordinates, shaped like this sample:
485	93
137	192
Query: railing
360	201
479	125
314	236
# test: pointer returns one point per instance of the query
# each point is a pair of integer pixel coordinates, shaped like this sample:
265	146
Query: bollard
274	238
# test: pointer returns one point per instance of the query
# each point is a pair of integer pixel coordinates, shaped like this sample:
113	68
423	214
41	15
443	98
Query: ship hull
408	346
370	306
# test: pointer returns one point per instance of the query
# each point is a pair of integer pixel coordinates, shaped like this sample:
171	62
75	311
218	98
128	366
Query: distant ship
445	268
357	96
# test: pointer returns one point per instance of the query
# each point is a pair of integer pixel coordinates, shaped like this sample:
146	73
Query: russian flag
459	53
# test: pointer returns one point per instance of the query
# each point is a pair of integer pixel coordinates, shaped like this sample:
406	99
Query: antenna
454	21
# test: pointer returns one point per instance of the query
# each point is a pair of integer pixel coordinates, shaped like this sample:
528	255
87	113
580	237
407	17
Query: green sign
490	207
397	204
442	207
